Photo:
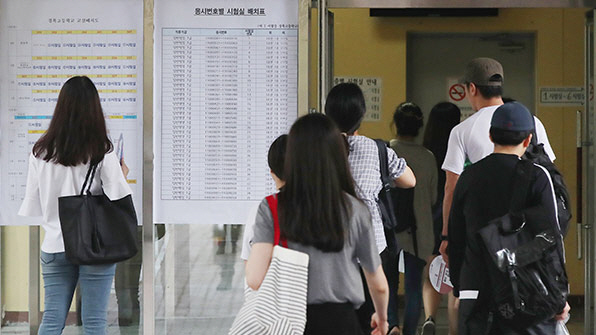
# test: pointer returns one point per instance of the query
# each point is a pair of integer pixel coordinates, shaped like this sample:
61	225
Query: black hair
508	137
345	106
276	155
488	92
408	119
77	133
313	204
442	118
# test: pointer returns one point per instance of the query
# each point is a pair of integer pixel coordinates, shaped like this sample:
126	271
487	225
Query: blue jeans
414	267
60	279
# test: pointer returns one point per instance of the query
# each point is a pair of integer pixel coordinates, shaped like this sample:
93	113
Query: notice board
43	44
226	85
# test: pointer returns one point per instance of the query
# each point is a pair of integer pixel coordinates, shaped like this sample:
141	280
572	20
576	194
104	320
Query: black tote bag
95	229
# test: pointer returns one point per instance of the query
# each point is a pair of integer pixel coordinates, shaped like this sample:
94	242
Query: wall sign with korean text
372	89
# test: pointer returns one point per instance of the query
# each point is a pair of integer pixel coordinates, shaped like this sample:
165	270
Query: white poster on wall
456	94
371	89
563	96
226	86
43	44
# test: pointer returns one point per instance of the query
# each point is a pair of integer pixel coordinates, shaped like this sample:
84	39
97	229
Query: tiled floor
199	286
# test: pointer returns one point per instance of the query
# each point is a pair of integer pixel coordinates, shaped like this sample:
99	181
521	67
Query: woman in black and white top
77	137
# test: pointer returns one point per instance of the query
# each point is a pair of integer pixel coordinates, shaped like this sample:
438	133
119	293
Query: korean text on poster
371	88
42	45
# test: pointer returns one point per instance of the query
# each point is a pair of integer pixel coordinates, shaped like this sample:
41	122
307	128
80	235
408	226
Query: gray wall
432	58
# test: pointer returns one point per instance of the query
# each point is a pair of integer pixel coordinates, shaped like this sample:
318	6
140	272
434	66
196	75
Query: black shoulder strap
534	139
89	181
384	167
383	164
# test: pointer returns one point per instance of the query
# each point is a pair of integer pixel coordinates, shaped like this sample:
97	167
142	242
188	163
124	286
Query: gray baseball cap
483	71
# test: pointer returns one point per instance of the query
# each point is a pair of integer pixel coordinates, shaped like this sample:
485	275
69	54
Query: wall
15	269
435	63
376	47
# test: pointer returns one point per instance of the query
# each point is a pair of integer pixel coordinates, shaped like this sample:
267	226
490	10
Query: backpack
535	153
396	204
528	281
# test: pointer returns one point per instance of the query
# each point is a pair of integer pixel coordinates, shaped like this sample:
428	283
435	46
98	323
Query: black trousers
389	260
474	320
331	318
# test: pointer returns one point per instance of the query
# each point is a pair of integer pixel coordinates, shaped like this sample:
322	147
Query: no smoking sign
457	92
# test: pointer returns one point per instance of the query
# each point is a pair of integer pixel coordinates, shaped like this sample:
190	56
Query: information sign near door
372	89
563	96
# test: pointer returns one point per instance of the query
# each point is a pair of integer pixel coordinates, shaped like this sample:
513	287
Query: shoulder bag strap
534	139
383	164
90	173
277	239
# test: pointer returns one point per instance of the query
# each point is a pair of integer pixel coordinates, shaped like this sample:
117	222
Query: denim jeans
60	279
414	267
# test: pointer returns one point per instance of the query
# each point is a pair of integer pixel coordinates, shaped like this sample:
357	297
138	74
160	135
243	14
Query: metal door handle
580	244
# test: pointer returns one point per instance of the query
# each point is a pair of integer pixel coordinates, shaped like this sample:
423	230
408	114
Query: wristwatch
444	238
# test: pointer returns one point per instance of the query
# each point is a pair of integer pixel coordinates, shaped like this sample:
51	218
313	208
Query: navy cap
512	116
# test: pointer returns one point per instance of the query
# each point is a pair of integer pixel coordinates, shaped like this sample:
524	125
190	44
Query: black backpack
535	153
396	204
528	281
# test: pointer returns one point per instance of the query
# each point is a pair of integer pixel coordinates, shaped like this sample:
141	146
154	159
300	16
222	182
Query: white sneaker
428	328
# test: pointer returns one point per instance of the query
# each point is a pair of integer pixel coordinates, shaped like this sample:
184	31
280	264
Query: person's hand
443	251
380	327
124	168
564	314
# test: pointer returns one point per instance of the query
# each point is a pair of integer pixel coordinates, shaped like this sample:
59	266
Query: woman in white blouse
76	137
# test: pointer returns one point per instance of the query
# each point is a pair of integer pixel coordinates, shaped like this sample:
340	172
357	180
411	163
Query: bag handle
277	238
90	173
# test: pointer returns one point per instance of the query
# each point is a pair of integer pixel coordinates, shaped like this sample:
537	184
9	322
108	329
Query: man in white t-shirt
469	141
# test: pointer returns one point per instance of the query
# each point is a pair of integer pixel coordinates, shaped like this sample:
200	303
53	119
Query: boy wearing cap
483	192
469	142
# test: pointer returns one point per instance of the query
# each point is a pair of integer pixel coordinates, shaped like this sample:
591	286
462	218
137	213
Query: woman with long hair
76	138
320	215
442	118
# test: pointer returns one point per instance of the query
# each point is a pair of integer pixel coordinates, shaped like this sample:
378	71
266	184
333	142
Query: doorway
435	61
